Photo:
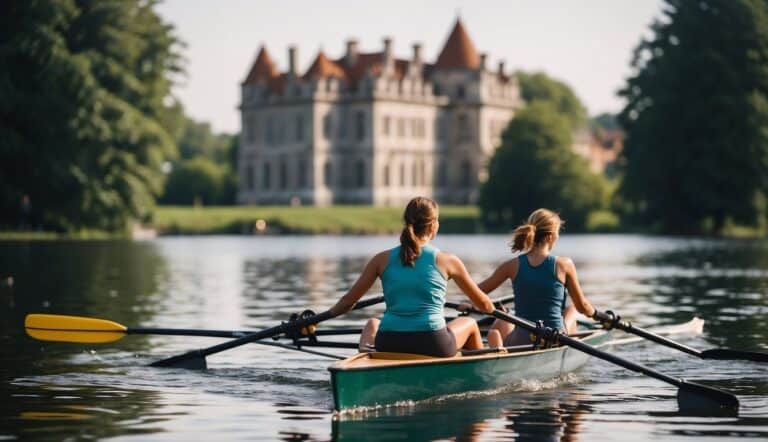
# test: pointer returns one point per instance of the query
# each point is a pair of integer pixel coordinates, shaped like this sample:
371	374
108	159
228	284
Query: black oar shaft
611	320
586	348
186	332
195	359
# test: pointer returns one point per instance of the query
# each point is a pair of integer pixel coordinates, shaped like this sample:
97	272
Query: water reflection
520	416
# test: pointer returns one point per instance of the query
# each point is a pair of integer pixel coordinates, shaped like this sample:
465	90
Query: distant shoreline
274	220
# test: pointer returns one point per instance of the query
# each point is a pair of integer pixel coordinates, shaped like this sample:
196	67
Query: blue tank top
414	295
539	295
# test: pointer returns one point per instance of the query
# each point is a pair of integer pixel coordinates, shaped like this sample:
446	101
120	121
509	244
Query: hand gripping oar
611	320
79	329
691	397
195	359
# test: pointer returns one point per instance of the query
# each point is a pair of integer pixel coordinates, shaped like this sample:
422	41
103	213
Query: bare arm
364	282
455	270
574	289
507	270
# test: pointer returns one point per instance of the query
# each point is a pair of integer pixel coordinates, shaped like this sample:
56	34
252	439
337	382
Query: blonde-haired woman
414	276
539	280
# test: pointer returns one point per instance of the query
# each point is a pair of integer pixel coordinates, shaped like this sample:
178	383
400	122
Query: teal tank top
539	295
414	295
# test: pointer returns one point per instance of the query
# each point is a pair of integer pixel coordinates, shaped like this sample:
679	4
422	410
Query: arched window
386	175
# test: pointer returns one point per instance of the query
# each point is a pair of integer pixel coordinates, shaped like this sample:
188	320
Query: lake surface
57	391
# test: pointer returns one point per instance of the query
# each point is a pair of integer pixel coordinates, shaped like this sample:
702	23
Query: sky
587	44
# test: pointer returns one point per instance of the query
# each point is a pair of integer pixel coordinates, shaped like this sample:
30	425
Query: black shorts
440	343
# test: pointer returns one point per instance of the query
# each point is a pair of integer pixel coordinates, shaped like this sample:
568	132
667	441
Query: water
57	391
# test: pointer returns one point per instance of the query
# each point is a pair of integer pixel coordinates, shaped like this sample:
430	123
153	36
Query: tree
538	86
198	140
535	167
200	180
697	118
85	110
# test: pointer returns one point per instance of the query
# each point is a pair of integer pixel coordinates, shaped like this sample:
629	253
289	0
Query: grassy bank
308	220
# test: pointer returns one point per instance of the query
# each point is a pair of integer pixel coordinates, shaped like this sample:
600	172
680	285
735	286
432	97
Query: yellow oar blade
73	329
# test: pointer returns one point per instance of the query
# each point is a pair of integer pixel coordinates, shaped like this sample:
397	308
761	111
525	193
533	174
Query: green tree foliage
85	118
538	86
208	157
198	140
536	167
200	181
697	118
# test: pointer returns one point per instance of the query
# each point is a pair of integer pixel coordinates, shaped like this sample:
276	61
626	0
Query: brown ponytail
419	216
540	224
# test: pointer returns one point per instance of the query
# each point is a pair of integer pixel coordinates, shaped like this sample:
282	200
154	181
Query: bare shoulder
380	260
511	265
565	263
447	258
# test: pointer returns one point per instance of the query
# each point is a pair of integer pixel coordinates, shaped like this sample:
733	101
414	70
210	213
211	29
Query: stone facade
369	128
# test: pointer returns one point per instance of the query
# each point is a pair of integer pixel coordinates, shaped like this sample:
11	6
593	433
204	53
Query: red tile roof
263	70
325	67
458	52
372	61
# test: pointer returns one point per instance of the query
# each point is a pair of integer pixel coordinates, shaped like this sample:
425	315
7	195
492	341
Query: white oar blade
61	328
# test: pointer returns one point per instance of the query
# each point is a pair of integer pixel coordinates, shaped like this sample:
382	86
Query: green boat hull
369	386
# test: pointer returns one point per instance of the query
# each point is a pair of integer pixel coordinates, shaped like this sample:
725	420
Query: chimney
501	68
292	65
417	53
387	59
351	57
483	58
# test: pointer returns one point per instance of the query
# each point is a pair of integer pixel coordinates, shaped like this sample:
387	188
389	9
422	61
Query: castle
370	128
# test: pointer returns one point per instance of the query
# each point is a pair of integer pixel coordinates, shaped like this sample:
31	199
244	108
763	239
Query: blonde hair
541	222
419	216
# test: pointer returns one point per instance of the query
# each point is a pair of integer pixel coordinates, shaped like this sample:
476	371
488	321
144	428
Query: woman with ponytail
539	280
414	276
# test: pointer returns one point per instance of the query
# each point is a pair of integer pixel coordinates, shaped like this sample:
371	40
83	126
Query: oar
691	397
195	359
79	329
611	320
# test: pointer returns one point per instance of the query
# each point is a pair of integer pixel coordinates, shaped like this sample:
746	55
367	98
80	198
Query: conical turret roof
458	52
263	69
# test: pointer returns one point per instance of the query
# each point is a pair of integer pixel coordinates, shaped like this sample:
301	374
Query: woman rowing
414	277
539	280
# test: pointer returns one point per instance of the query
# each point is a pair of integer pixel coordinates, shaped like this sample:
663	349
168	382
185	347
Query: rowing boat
381	378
